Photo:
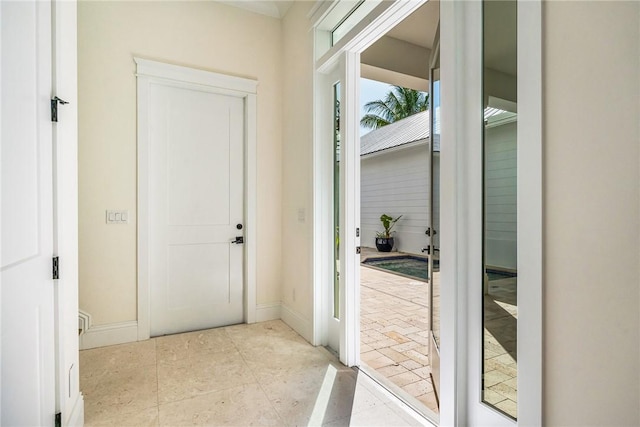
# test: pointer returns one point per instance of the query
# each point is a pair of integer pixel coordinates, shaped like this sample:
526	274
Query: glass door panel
500	178
333	156
433	231
336	200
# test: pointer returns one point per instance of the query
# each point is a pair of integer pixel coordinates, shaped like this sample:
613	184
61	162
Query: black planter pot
384	244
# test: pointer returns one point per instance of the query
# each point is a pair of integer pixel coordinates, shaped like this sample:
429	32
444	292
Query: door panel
196	196
204	267
28	382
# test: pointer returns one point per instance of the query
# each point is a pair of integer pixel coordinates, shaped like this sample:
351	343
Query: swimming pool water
419	267
410	266
497	275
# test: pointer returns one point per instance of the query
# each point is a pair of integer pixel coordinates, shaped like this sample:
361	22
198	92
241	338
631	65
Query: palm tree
399	103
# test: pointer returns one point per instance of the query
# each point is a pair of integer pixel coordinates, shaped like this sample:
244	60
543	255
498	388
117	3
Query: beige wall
297	163
592	186
205	35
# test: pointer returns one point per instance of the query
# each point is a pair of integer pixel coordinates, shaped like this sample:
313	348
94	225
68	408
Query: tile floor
262	374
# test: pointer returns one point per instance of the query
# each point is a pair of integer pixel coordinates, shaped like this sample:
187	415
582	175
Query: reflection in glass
336	199
435	209
434	230
500	311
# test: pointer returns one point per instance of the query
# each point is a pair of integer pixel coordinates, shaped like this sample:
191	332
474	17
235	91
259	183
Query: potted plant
384	240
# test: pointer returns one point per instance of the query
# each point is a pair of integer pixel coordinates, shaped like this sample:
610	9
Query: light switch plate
117	217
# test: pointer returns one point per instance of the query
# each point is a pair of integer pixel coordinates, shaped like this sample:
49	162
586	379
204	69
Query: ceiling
275	9
500	33
500	36
420	27
406	49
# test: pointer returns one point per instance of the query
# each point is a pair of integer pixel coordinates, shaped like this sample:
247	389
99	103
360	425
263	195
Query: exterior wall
395	183
206	35
591	213
297	170
501	184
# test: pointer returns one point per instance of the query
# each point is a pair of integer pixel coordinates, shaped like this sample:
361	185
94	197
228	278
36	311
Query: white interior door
28	366
196	196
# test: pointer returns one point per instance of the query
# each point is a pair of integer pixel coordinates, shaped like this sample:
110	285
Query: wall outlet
117	217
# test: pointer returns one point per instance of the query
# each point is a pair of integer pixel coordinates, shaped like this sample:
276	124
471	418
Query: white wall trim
84	321
76	417
179	73
297	322
530	213
266	312
152	71
251	208
110	334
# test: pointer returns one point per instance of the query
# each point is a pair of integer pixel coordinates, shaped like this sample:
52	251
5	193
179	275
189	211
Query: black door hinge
56	268
54	107
59	419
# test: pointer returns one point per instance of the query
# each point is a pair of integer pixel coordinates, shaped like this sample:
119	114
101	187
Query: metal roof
414	129
411	129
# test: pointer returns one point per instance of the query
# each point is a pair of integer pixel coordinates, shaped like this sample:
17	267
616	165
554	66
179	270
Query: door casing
149	71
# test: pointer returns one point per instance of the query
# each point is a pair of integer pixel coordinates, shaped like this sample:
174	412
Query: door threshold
409	403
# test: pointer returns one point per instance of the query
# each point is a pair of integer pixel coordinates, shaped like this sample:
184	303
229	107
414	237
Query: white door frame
461	202
69	400
461	216
346	55
152	71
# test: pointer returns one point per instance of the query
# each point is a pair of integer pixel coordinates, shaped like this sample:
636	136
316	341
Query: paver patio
394	335
500	373
394	331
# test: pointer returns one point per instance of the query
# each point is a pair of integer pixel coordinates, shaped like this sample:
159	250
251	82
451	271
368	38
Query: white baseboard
84	321
76	418
113	333
266	312
297	322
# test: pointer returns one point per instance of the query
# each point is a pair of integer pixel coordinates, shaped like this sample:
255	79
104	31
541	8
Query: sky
371	90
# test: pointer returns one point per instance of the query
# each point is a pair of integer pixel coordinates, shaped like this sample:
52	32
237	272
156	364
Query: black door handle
239	240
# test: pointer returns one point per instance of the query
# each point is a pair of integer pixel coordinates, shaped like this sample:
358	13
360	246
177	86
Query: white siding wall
501	196
395	183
